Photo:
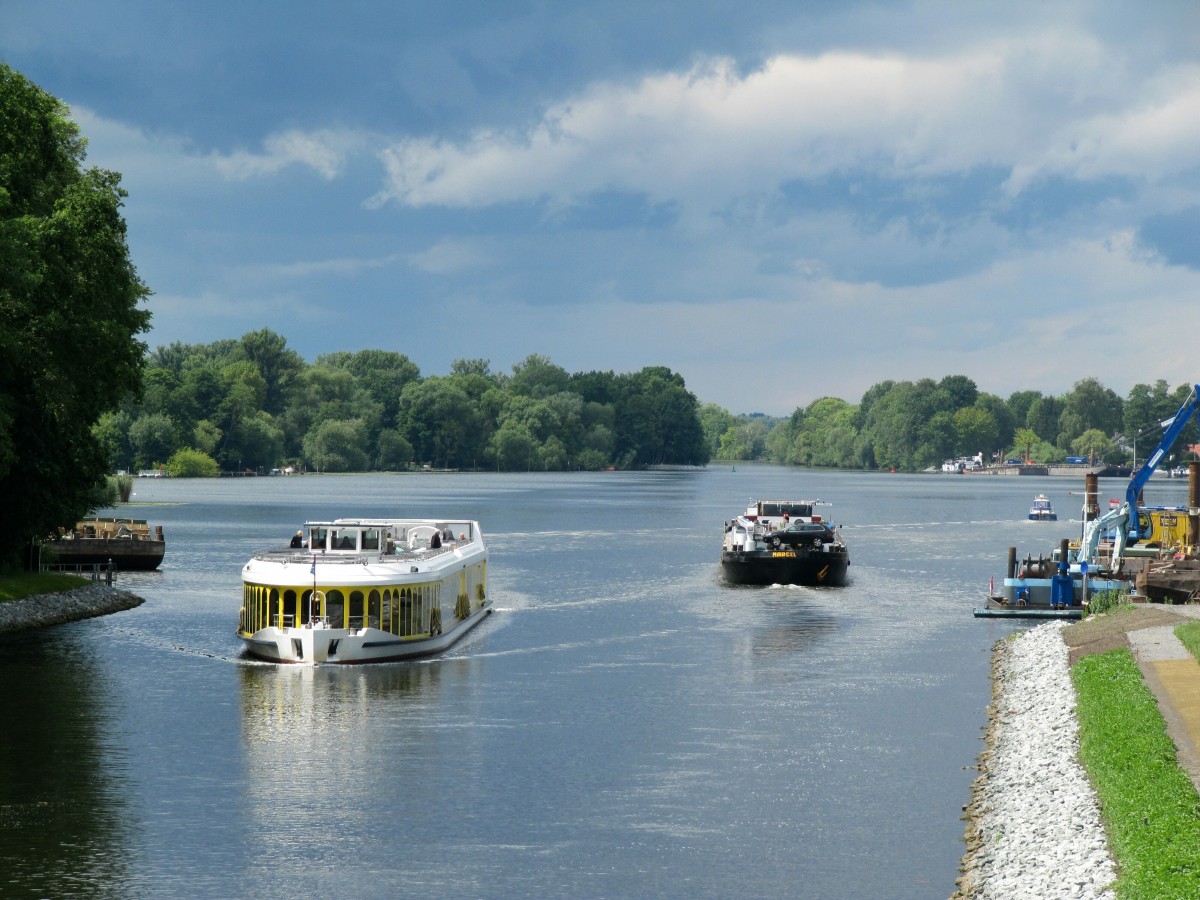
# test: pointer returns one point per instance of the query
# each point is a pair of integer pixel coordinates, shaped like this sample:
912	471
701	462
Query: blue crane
1124	521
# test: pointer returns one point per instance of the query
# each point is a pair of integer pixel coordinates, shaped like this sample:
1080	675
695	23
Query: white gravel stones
1035	826
69	606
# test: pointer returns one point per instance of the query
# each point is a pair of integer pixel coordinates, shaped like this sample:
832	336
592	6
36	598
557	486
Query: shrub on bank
1107	601
190	463
1148	803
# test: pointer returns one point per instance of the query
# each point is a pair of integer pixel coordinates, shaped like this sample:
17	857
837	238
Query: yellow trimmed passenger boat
365	590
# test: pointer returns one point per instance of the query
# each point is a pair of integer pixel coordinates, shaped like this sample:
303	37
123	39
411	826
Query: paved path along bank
85	602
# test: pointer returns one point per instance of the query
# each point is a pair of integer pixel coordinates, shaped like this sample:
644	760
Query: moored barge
128	544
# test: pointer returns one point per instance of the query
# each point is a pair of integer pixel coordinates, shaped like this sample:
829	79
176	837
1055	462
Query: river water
624	725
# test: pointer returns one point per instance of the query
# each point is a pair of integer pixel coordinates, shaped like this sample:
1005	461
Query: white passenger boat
365	590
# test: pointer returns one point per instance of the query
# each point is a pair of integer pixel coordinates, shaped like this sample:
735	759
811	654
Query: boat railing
95	571
401	553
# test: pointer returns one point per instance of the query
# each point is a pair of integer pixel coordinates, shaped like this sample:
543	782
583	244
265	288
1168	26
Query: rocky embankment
69	606
1034	825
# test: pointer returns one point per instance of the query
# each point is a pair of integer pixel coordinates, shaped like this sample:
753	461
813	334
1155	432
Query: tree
394	452
1043	416
1146	408
908	426
1094	444
658	421
152	437
191	463
715	421
69	309
442	423
537	376
1090	405
1024	440
337	445
960	390
278	366
1019	403
975	430
112	431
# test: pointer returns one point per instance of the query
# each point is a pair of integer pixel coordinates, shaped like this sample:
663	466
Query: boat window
343	540
373	609
335	608
370	539
317	538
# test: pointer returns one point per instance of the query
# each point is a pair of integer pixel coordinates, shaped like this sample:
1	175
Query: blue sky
778	200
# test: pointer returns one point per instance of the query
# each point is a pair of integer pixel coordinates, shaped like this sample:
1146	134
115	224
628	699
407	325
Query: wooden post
1193	526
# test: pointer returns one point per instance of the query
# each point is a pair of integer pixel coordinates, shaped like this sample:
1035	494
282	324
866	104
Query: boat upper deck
396	541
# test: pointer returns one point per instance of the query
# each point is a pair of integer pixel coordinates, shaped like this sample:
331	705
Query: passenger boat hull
320	645
781	567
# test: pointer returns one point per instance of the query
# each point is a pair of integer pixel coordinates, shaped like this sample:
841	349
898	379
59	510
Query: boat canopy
791	507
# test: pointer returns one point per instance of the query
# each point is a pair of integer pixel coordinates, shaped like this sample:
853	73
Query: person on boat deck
298	539
436	541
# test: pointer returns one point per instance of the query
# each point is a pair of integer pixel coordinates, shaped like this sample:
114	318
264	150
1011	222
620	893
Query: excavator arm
1124	521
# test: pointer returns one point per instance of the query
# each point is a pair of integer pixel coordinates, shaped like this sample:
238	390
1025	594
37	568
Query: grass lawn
15	585
1149	805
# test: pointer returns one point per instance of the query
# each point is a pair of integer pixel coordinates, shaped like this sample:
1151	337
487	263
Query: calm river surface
623	726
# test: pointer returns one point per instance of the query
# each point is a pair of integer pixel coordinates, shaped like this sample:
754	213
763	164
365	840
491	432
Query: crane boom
1124	520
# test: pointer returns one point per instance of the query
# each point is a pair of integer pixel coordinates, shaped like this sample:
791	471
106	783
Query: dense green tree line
70	313
915	425
254	404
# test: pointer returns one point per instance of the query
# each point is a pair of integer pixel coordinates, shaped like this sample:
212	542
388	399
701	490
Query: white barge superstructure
365	590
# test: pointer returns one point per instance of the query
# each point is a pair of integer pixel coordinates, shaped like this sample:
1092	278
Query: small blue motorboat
1042	511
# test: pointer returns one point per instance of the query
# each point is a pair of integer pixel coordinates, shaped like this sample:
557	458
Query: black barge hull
767	567
125	555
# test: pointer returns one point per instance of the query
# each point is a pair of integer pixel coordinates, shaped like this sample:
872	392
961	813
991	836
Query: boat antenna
312	598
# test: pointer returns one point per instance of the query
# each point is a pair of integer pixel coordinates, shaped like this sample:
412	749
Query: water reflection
790	625
340	757
64	822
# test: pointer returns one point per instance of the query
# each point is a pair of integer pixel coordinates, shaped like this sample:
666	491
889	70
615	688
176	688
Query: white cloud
449	256
1057	103
346	267
322	151
152	158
